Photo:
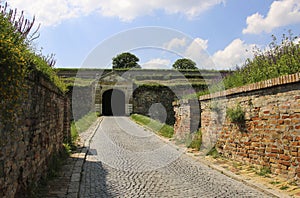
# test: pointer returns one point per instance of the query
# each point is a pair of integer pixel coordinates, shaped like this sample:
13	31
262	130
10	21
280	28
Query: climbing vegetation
17	60
278	59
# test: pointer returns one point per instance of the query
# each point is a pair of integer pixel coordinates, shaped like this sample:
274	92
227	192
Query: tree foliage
184	63
125	60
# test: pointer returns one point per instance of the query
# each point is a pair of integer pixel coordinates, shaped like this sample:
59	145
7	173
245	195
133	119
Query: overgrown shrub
236	115
17	60
280	58
13	67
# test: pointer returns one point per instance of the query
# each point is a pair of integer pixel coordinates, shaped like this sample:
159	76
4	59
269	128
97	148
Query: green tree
125	60
184	63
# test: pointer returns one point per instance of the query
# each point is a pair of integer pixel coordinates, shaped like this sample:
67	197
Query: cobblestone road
127	161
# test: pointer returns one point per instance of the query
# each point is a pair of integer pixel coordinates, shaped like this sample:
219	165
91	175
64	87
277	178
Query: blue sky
217	34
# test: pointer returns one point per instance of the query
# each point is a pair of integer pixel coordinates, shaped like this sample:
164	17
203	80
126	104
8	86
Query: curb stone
74	185
67	182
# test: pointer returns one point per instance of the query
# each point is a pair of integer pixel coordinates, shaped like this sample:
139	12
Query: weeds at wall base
214	153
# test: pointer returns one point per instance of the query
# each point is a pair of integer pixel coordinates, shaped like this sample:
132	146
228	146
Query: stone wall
187	117
82	99
38	133
144	97
270	134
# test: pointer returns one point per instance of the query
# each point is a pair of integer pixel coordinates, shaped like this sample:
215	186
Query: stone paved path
126	160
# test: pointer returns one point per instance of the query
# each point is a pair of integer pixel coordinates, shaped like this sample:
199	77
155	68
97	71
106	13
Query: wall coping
282	80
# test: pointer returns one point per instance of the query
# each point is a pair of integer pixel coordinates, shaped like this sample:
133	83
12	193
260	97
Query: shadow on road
94	178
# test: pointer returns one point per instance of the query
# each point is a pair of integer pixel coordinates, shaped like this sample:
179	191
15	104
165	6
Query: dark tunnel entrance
113	103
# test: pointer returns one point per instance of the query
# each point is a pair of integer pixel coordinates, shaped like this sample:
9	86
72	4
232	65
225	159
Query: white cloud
196	51
157	64
234	54
47	12
198	45
52	12
175	44
193	49
281	13
297	40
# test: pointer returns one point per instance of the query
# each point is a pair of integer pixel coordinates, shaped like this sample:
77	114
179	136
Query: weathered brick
284	157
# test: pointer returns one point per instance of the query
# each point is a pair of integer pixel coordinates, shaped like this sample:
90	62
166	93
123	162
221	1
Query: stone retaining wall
39	132
145	97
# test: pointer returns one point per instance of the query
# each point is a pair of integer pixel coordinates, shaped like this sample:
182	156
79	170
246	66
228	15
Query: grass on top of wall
158	127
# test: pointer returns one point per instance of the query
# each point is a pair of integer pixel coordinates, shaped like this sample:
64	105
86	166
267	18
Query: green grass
158	127
214	153
82	124
264	171
196	141
284	187
274	182
74	132
80	82
85	122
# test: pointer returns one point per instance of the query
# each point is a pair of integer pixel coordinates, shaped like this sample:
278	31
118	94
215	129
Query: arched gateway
114	95
113	103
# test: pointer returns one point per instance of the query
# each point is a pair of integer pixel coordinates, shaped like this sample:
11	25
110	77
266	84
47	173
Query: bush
279	59
13	68
17	60
236	115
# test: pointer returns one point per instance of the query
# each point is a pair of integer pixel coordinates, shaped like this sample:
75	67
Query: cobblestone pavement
125	160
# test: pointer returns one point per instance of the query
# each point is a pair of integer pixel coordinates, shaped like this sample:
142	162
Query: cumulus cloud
194	49
234	54
51	12
198	45
281	13
175	44
197	52
157	64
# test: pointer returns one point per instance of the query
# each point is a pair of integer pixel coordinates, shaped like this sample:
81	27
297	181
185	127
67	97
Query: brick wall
40	129
270	135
